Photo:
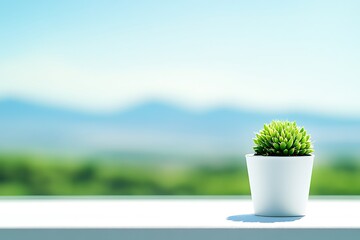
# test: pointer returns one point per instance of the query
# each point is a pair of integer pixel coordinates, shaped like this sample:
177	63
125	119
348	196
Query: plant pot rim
253	155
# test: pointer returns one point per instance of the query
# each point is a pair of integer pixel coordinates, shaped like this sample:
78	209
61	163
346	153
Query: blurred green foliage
46	175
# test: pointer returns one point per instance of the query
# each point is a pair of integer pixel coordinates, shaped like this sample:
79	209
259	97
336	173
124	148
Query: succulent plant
282	138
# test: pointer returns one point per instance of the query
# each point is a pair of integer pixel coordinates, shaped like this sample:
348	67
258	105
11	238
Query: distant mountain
158	127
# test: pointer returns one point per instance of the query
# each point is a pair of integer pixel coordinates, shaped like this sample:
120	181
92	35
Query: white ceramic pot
279	185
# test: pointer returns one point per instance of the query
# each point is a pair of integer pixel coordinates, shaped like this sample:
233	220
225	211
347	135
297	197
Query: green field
48	175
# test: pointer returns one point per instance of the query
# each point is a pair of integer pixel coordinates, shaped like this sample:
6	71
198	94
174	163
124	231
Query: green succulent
282	138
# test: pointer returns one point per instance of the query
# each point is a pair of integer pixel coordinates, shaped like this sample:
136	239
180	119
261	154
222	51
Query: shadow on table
251	218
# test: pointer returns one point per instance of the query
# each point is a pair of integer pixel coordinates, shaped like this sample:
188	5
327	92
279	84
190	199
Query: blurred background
164	97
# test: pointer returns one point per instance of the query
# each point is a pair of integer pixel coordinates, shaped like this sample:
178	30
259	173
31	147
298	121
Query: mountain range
159	127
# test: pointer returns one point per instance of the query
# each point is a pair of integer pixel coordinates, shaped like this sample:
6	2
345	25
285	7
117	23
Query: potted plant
280	170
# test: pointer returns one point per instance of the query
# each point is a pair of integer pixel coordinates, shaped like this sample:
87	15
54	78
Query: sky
107	55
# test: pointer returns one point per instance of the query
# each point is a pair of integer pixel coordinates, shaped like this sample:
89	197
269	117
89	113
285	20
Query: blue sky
260	55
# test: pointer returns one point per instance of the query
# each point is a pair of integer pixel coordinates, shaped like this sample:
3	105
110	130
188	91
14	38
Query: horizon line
169	104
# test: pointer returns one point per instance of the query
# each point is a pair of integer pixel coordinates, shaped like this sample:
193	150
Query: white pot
279	185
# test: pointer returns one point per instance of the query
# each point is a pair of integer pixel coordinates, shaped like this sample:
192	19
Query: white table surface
182	213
